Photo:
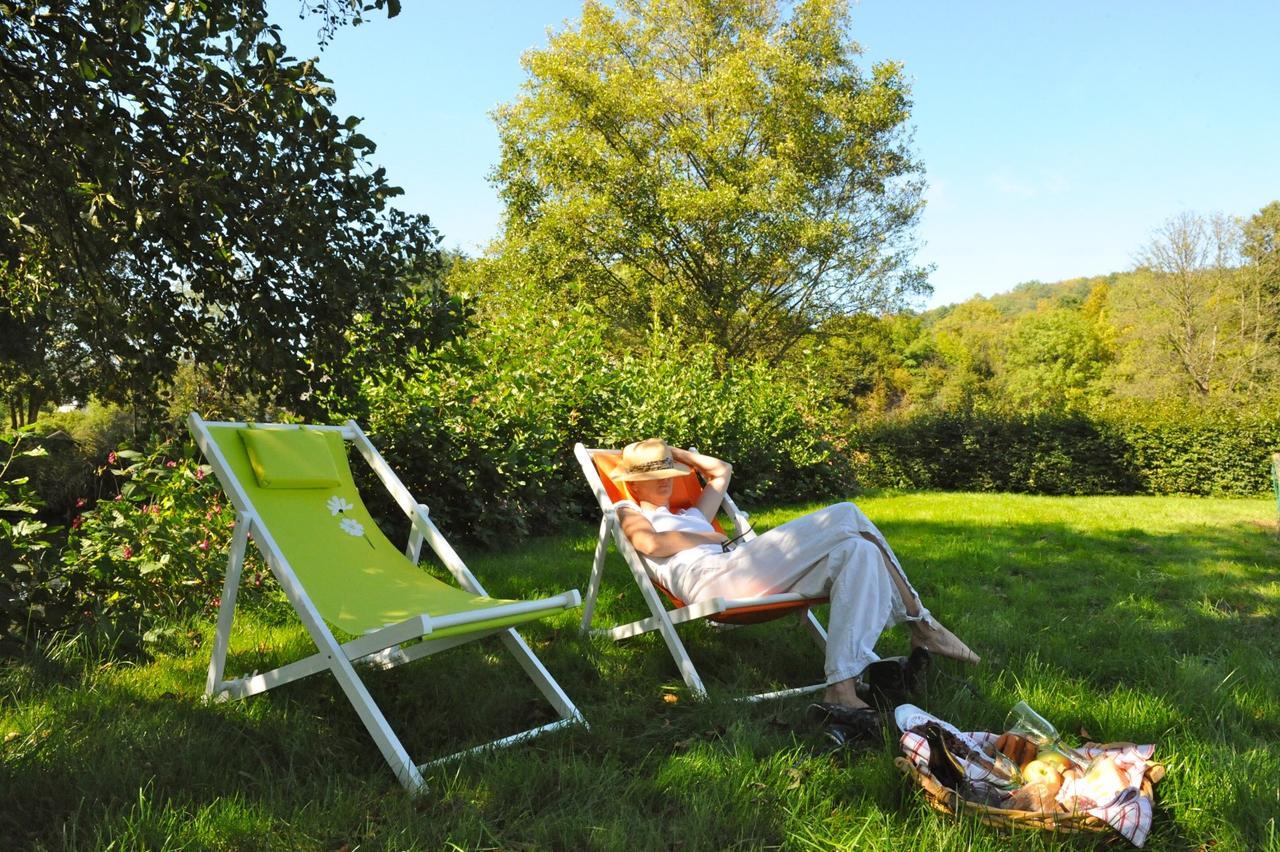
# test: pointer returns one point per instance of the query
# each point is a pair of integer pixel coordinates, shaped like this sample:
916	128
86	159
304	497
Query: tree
1203	309
861	365
174	186
1054	360
959	357
1261	246
712	164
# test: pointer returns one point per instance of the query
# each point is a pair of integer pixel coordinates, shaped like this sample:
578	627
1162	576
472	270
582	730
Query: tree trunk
33	405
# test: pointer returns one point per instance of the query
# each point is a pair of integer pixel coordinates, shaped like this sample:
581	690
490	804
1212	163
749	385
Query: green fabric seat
296	502
357	579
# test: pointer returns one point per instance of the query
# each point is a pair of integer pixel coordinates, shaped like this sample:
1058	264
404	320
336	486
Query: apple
1040	772
1055	759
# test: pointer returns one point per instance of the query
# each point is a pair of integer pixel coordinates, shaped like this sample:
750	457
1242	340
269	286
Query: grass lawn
1147	619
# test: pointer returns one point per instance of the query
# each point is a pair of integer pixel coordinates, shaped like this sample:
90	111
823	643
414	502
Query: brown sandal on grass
846	726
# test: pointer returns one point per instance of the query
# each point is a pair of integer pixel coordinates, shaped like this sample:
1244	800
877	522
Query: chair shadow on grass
94	749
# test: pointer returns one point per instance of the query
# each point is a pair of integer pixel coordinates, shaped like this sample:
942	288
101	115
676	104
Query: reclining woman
836	551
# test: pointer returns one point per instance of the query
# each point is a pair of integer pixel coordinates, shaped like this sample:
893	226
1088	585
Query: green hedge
484	433
1132	450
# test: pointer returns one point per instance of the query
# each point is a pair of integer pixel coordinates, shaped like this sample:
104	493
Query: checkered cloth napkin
1129	812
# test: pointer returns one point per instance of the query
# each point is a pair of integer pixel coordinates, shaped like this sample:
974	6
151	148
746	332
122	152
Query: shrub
76	441
484	433
156	551
34	597
151	554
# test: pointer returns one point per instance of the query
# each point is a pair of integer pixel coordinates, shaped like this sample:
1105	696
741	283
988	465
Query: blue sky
1056	136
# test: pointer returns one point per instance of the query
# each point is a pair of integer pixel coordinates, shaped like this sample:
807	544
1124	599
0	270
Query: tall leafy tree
1261	248
1054	360
1201	312
715	163
174	185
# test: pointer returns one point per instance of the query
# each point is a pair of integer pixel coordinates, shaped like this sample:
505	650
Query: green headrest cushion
290	458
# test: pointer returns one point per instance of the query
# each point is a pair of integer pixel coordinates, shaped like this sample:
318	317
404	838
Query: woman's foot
936	639
845	693
845	718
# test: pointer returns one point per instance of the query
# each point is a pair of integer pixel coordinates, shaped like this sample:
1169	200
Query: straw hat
648	459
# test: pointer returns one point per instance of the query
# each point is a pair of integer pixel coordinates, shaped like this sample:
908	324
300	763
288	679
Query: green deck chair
293	492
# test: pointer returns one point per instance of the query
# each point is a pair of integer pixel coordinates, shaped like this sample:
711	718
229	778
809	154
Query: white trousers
823	552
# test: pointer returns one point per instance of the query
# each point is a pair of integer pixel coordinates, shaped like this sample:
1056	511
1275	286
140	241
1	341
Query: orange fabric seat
685	492
666	615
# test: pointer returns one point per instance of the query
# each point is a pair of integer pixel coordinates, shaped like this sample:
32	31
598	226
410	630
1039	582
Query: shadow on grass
1168	637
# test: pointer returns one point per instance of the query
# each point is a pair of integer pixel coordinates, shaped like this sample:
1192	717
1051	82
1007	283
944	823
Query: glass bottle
1026	722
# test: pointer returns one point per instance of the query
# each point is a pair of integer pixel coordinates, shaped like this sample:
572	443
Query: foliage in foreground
1152	619
483	433
148	552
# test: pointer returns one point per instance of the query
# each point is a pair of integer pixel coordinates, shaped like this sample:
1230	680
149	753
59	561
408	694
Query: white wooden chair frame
660	618
380	648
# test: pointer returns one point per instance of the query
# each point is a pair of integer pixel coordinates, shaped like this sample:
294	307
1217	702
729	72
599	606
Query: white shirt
686	520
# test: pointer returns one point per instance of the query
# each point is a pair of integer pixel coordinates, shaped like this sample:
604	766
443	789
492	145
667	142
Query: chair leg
816	630
597	570
672	639
413	549
227	608
357	693
375	723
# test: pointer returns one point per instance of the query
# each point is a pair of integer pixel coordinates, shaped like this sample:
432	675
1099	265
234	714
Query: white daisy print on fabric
337	505
351	526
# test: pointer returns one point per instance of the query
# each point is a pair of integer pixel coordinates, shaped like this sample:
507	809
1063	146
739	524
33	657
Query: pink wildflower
127	552
203	545
81	503
199	473
111	457
77	521
119	497
171	464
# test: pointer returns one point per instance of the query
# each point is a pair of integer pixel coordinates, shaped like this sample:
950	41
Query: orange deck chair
596	467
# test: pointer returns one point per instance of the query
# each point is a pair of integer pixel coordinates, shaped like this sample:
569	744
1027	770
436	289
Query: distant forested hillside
1195	325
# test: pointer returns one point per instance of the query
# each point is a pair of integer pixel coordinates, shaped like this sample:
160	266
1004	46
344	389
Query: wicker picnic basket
947	801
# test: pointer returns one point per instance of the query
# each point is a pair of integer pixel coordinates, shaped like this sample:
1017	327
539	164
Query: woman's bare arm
716	472
644	538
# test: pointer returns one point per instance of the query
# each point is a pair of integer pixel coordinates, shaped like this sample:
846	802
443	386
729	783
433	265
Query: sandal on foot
860	725
827	713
